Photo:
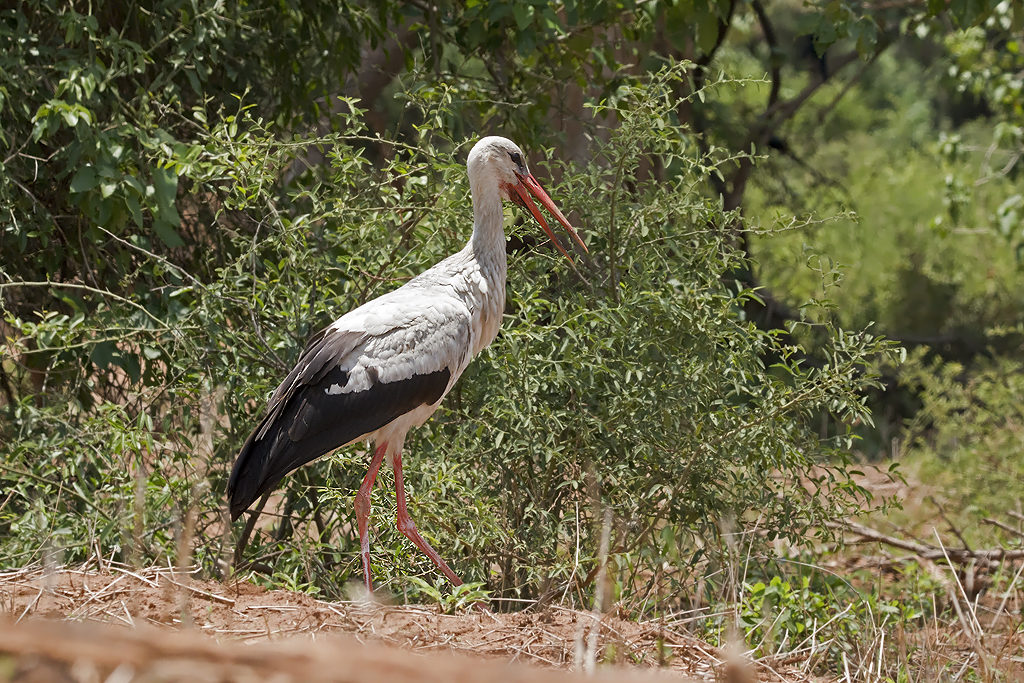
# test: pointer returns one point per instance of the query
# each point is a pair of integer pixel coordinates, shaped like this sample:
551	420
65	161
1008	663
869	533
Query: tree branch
1004	526
723	29
773	47
5	383
990	557
781	111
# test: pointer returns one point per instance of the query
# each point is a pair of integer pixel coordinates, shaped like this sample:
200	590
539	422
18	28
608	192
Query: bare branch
723	29
781	111
1004	526
773	46
952	527
930	552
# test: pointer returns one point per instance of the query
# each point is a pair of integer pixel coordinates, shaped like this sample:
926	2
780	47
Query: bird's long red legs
362	506
408	527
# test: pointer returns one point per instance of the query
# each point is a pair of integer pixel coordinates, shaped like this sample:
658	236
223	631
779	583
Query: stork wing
373	365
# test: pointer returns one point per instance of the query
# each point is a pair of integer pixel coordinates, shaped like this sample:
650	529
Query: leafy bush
967	438
633	385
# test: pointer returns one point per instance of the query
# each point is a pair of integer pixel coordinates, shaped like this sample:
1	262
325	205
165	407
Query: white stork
383	368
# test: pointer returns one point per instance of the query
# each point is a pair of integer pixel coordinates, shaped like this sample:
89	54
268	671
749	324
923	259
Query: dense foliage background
770	191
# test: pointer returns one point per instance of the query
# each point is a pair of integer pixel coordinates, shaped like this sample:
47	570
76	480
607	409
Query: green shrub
634	384
827	619
968	436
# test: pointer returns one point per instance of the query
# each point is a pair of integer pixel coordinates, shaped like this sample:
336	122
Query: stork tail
316	420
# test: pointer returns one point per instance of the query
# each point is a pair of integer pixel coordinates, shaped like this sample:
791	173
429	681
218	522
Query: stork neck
488	240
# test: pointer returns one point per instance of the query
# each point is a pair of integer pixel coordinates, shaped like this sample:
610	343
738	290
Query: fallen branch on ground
990	557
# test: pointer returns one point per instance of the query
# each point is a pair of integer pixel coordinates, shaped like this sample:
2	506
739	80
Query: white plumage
384	367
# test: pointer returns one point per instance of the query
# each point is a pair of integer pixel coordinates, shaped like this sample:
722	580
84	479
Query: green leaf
523	15
84	179
103	353
707	31
167	233
165	214
135	209
165	185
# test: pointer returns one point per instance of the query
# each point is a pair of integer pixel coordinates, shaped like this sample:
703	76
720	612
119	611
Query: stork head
499	162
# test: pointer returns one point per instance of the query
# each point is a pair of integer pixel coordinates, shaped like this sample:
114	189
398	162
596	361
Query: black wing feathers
304	421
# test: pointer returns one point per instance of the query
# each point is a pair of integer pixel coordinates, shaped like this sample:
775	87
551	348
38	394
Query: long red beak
527	186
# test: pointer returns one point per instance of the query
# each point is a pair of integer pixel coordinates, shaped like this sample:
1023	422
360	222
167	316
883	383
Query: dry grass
160	599
970	628
968	633
48	651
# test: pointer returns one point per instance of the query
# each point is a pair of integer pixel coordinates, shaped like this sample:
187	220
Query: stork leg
362	505
408	527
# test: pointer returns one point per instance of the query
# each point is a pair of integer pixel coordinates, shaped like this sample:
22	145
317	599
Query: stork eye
516	159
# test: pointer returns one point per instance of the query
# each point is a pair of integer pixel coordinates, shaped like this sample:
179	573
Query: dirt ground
112	623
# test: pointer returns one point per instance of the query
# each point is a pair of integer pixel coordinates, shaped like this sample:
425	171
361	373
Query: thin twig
250	524
1003	526
201	593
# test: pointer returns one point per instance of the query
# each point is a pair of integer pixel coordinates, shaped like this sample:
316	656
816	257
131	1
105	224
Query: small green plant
293	580
780	616
451	599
